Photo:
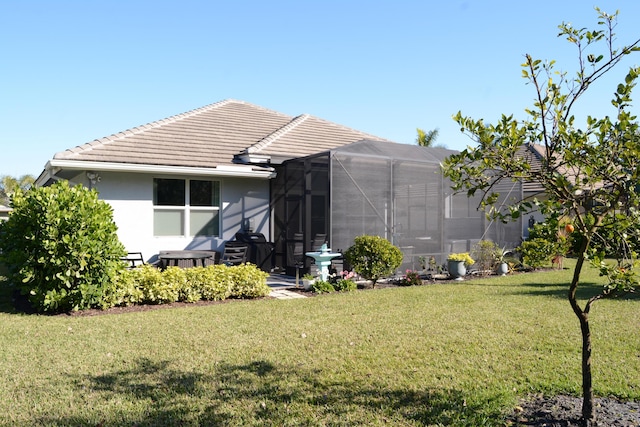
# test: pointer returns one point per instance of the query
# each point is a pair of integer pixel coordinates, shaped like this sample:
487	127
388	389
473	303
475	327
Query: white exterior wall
131	196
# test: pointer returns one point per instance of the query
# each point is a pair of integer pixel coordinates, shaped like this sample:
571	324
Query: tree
373	257
9	185
589	174
426	139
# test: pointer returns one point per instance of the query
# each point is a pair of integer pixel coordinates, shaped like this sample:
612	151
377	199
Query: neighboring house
534	154
4	212
193	180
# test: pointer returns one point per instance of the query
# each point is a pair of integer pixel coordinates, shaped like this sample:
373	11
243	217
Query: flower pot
307	284
457	269
502	269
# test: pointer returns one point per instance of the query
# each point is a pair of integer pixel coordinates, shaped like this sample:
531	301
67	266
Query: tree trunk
588	414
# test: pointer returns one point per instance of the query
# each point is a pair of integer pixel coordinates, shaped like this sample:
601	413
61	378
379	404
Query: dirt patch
565	411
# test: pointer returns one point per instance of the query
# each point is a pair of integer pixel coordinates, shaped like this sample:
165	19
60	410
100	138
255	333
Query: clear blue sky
74	71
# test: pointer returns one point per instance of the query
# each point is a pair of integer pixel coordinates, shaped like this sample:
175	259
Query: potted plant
502	267
457	264
307	281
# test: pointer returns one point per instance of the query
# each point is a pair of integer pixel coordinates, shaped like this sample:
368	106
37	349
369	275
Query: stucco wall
131	196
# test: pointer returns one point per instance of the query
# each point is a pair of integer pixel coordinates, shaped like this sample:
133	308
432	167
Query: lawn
443	354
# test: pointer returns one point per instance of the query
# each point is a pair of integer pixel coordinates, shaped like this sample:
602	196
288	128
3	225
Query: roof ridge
279	133
151	125
368	135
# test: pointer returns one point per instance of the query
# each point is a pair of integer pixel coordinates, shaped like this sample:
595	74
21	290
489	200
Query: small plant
373	257
308	276
411	278
462	256
322	287
423	262
484	253
343	285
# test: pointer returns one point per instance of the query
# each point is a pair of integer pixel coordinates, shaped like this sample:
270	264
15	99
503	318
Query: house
192	181
4	212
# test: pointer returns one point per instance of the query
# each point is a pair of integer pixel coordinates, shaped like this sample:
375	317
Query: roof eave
236	171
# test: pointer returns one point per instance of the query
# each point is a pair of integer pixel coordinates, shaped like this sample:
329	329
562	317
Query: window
186	207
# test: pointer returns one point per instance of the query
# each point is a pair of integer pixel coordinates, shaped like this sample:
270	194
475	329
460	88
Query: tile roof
533	154
212	135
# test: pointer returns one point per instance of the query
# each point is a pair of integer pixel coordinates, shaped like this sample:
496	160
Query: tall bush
373	257
60	247
546	240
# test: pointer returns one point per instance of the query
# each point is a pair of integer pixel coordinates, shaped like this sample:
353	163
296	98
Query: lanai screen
392	190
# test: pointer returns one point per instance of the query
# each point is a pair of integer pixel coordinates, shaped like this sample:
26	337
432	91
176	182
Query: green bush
124	289
536	252
248	281
60	247
322	287
546	239
155	288
213	282
148	285
373	257
345	285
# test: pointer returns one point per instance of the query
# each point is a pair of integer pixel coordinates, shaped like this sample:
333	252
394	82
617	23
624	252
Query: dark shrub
60	247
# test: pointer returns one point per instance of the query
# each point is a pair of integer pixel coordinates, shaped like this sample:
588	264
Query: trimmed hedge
148	285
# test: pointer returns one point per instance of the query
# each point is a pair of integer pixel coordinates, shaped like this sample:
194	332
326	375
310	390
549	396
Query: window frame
186	209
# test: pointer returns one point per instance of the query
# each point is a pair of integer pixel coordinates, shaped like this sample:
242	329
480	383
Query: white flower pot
502	269
457	269
307	284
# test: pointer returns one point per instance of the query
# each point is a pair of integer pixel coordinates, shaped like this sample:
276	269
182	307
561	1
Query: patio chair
235	253
318	241
133	259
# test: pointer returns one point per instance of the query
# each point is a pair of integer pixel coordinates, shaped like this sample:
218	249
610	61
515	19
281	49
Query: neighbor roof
215	135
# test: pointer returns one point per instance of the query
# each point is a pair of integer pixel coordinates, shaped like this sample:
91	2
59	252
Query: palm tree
426	139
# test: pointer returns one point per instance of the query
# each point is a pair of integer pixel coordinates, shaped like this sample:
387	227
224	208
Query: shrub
123	290
60	247
156	285
411	278
546	240
213	282
248	281
345	285
485	254
322	287
148	285
373	257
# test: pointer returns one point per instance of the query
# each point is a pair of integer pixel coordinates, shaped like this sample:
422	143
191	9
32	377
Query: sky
75	71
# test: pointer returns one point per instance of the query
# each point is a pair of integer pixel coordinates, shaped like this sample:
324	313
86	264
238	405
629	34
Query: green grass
445	354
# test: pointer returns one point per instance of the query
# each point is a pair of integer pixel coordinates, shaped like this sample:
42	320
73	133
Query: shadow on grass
263	393
585	291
